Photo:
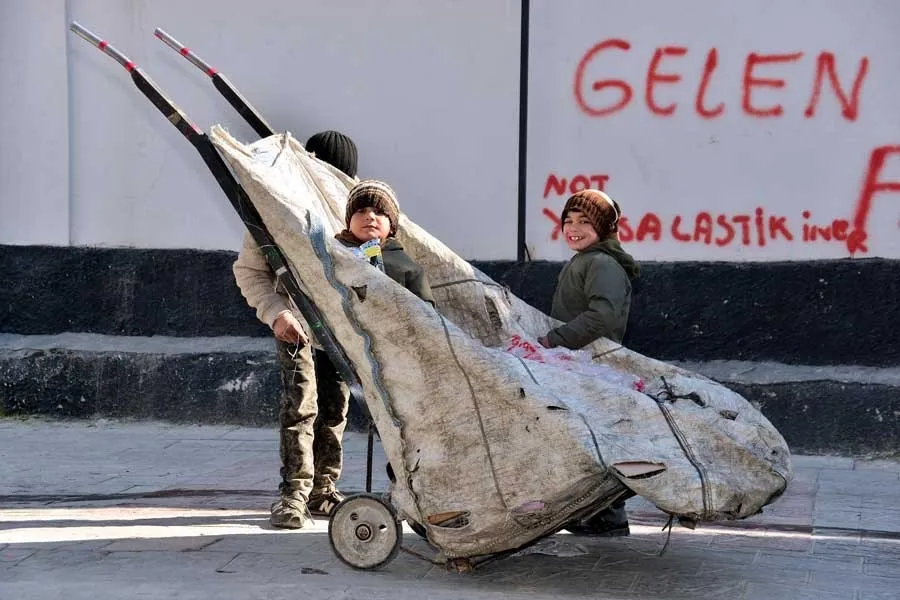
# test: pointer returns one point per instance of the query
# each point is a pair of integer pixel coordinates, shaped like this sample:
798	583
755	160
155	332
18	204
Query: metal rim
364	532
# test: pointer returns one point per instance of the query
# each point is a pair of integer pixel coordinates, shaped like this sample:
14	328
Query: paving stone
83	546
804	476
774	591
836	463
778	575
880	520
890	466
883	567
316	562
288	542
559	579
816	562
839	518
762	540
841	582
55	558
877	595
653	585
12	554
168	544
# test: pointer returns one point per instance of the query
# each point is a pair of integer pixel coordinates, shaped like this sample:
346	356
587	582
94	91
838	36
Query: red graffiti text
759	71
756	229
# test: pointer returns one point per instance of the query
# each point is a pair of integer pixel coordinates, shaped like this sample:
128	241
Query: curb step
845	410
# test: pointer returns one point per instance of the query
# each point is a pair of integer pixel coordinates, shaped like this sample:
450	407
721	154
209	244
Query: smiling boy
592	299
593	293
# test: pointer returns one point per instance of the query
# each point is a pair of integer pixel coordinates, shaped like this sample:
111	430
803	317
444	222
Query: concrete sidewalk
110	510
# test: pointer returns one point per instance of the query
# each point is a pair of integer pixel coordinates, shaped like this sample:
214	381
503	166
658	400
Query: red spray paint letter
871	186
557	223
712	60
849	107
602	84
750	81
654	77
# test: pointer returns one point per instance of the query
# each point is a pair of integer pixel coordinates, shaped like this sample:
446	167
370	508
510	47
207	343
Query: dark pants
312	418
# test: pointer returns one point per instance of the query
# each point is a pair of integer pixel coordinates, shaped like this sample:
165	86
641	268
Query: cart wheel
364	532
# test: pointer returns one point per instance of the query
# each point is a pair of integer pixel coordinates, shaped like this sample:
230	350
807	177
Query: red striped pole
102	45
184	51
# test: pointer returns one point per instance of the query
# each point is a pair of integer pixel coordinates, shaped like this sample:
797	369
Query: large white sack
517	446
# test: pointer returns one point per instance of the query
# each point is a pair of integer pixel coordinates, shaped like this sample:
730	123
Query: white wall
682	165
34	123
429	90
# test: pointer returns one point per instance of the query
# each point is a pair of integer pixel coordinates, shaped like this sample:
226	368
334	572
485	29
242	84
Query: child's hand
288	329
543	341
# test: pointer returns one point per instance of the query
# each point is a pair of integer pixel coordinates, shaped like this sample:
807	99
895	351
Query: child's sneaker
612	522
322	502
290	512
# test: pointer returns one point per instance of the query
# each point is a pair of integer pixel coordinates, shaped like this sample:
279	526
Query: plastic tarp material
493	445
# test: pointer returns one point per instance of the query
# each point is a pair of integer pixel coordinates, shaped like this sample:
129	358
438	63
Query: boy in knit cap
592	299
372	214
313	407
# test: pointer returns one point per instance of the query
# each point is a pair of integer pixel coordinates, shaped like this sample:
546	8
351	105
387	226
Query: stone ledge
189	382
828	312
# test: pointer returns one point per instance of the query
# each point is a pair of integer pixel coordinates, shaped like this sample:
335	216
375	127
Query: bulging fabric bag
494	447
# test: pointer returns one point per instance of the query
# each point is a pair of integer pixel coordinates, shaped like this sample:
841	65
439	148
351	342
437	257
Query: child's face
367	224
578	231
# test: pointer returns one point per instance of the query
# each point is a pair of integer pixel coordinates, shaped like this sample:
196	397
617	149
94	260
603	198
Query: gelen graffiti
759	71
757	229
597	97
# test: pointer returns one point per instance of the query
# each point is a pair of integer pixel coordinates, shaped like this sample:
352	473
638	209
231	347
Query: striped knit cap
602	211
375	194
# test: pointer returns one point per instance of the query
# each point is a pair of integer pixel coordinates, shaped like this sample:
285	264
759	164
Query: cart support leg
369	451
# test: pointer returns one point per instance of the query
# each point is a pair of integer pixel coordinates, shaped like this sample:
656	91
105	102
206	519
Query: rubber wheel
364	532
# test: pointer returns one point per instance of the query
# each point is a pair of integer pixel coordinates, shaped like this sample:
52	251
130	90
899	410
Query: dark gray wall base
122	291
815	417
212	388
829	417
240	388
828	312
813	312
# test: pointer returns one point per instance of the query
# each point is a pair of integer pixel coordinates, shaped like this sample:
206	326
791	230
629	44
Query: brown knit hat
375	194
602	211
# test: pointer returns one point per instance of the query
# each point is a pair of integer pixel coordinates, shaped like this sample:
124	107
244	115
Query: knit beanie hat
375	194
602	211
336	149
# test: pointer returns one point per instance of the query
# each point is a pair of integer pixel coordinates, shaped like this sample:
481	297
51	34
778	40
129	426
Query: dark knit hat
375	194
602	211
336	149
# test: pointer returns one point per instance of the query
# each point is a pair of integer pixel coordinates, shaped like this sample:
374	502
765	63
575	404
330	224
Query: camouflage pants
312	418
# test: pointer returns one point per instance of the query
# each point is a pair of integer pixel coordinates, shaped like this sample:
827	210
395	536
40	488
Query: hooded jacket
593	295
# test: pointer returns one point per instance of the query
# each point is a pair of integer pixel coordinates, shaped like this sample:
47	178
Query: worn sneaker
612	522
290	513
323	502
586	528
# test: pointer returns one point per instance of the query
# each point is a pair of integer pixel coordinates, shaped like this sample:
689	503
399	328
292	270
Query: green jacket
593	295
